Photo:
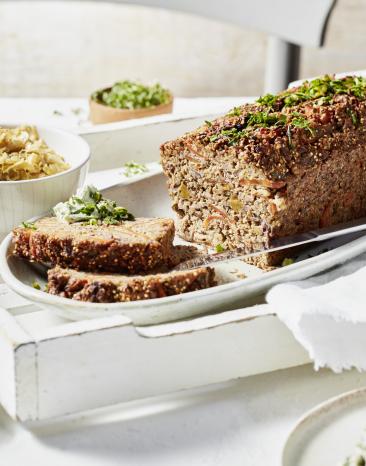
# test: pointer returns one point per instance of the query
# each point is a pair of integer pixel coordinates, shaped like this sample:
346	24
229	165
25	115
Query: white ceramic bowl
21	200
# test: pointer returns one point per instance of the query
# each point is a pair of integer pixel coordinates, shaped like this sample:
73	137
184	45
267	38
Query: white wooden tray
52	367
113	143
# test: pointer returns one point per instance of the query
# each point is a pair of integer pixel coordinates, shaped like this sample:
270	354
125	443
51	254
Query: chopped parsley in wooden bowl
129	99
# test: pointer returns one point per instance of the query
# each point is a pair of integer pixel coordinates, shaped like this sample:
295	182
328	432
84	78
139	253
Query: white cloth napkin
327	315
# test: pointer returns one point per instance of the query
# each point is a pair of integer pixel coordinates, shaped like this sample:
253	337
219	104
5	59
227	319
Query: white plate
148	197
329	433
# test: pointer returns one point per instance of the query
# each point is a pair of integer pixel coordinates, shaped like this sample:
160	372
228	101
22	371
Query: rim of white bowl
81	141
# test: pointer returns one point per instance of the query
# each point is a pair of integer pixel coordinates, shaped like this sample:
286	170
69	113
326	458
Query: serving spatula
278	244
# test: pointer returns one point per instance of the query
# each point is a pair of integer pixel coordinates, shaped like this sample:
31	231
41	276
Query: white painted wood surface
72	113
241	423
52	367
113	143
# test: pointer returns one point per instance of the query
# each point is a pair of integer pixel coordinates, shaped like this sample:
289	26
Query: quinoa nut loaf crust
286	164
131	246
103	288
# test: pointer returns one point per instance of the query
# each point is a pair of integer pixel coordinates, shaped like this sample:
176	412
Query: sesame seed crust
270	150
132	246
104	288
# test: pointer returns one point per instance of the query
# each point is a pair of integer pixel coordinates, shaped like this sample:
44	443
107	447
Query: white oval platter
148	197
19	275
329	433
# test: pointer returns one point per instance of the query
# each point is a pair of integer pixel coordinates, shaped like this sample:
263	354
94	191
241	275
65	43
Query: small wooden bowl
101	113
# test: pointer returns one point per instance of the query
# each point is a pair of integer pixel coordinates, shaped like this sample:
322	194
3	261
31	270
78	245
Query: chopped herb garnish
77	111
236	111
208	123
36	285
233	135
29	225
321	90
57	113
287	261
91	208
130	95
214	137
354	117
358	458
268	100
266	119
133	168
252	120
219	248
301	122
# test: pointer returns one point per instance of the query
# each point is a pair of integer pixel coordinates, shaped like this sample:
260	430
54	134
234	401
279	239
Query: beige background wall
69	48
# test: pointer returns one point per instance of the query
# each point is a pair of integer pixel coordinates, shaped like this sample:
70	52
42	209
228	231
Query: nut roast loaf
128	247
286	164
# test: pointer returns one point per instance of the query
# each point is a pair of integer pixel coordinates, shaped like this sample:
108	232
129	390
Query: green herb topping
77	111
267	100
358	458
37	286
300	121
262	120
321	91
219	248
130	95
287	261
133	168
354	117
29	225
91	208
324	89
236	111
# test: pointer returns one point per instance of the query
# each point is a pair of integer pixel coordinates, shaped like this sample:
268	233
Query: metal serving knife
278	244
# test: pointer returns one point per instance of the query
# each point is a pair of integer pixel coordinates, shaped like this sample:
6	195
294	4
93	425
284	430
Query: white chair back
290	24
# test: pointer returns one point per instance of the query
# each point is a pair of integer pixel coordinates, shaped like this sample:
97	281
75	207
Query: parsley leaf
29	225
91	208
219	248
287	261
354	117
267	100
301	122
133	168
236	111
